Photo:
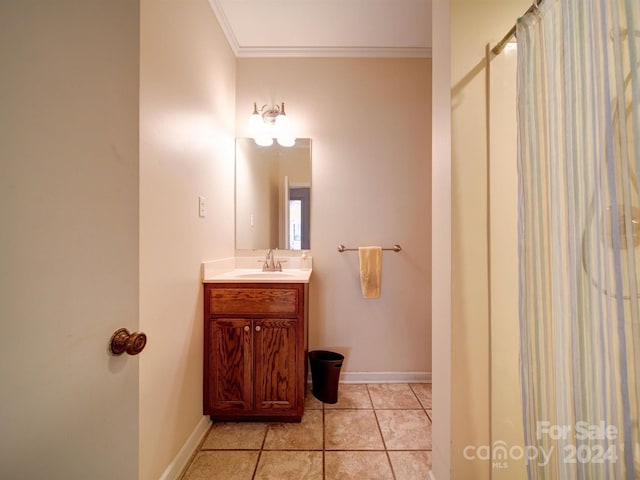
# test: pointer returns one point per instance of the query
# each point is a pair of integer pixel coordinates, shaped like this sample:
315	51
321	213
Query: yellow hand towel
370	271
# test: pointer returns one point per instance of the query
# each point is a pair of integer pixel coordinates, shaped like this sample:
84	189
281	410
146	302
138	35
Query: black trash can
325	374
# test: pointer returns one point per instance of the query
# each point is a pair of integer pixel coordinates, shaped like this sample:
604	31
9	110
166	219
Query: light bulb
263	140
287	141
255	122
282	122
283	130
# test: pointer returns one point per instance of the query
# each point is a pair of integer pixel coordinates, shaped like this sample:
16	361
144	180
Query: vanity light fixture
269	122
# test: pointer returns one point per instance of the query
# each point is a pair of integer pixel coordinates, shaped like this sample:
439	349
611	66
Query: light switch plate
202	206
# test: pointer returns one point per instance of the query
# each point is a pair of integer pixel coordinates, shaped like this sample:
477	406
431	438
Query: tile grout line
264	441
384	443
198	449
425	411
324	446
323	408
419	400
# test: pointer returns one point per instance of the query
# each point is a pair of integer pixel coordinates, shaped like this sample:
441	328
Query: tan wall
474	25
187	105
370	124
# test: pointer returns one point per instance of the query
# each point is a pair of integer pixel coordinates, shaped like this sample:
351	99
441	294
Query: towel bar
341	248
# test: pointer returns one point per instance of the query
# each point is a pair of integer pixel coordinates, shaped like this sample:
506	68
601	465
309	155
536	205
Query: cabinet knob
246	328
258	328
123	341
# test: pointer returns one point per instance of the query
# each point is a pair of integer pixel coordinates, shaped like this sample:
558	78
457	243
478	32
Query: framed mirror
273	195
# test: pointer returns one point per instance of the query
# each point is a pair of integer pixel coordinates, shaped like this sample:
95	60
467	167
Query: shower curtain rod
497	50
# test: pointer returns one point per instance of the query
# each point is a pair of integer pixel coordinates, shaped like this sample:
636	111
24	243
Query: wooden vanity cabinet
255	350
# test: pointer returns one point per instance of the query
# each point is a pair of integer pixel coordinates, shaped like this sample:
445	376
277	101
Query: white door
68	238
284	213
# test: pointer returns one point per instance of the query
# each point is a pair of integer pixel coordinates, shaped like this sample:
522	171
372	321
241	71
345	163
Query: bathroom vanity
255	346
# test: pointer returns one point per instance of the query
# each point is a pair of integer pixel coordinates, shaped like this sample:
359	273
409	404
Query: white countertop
255	275
295	269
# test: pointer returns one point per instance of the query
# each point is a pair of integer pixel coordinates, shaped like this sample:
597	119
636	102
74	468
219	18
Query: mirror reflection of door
299	218
262	198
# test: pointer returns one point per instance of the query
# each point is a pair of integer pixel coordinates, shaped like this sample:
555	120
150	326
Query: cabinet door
275	364
230	374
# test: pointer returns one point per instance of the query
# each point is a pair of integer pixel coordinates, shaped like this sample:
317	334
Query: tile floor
374	432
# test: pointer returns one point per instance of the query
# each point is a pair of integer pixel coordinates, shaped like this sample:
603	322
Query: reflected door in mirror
299	218
273	191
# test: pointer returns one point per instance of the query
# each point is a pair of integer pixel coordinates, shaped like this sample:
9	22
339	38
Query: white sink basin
249	275
268	275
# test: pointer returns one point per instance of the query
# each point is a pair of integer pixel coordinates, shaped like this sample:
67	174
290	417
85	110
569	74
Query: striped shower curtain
579	238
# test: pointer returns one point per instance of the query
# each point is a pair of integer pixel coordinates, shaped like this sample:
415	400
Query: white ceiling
326	28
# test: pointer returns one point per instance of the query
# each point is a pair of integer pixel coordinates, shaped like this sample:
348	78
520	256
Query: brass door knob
123	341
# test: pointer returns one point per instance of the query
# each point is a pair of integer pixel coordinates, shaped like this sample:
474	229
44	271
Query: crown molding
225	25
343	52
368	52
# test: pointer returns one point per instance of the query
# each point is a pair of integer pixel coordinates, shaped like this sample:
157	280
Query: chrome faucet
270	264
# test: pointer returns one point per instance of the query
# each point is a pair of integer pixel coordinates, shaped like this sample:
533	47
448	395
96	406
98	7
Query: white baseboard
175	468
385	377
